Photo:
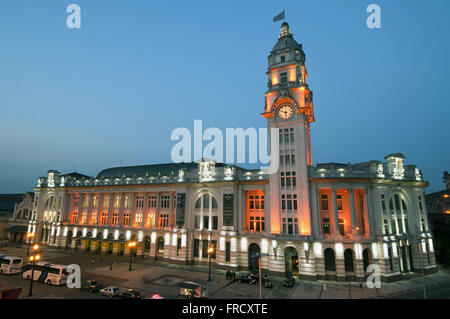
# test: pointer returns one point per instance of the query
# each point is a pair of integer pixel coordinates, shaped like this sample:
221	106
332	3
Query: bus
45	272
10	264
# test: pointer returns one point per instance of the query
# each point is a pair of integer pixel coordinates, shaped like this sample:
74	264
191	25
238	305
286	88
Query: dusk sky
112	92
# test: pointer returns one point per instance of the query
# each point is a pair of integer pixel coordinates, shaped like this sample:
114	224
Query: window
227	251
126	218
399	214
324	202
93	218
283	77
206	222
205	243
115	218
255	211
139	202
95	202
282	58
150	222
196	248
290	226
127	202
83	218
215	222
165	201
152	201
287	136
104	217
326	225
74	216
289	202
139	218
85	200
206	208
106	201
164	220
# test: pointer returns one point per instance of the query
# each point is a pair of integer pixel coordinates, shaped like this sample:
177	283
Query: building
15	213
438	206
329	221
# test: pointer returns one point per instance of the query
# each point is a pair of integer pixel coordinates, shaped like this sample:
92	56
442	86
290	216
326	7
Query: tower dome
287	47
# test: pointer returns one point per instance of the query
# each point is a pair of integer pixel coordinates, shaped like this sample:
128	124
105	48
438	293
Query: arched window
348	260
206	212
330	260
399	214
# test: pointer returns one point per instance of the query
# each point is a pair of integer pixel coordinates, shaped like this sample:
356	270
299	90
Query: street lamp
131	245
210	252
35	257
356	234
29	236
423	275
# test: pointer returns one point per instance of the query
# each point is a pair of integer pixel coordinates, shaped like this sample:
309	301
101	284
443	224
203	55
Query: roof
439	194
148	170
75	175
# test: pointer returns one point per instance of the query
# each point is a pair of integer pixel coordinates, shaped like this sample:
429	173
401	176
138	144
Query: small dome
286	39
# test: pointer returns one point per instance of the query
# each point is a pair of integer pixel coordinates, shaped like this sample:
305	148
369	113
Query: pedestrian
234	275
228	274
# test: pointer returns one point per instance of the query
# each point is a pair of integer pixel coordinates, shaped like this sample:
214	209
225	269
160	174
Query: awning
18	229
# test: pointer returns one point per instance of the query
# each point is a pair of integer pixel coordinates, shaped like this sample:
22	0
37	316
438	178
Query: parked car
91	285
289	282
131	294
110	291
247	279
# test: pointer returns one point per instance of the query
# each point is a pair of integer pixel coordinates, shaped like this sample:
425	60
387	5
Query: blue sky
114	90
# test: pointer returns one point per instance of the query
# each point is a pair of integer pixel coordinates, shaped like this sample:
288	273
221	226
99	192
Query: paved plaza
151	277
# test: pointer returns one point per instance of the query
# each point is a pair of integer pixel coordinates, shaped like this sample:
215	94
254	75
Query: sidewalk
345	290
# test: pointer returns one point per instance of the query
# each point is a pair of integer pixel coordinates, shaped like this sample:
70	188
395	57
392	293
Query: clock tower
289	107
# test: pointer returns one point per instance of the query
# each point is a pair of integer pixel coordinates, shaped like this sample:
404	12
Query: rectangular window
104	218
165	201
227	251
139	218
324	202
283	77
326	225
139	201
215	222
205	248
206	222
115	217
126	218
163	220
106	201
196	248
152	201
254	211
150	219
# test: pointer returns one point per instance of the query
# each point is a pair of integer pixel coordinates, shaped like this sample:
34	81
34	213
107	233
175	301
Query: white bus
10	264
45	272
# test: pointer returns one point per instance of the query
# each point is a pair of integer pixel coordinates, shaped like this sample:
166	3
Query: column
335	212
352	208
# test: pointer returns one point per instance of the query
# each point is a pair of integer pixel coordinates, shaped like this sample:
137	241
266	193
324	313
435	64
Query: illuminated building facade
329	221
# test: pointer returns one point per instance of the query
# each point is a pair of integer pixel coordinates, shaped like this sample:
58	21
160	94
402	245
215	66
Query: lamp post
29	236
210	252
131	245
423	275
356	233
33	259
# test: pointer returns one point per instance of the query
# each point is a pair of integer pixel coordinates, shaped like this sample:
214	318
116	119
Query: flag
279	17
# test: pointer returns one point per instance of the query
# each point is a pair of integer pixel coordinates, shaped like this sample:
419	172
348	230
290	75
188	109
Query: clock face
285	112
